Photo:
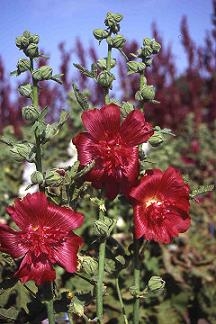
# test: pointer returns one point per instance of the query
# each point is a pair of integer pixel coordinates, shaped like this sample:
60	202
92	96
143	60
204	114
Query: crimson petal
10	242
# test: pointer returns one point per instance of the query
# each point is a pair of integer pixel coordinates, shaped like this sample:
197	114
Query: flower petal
62	217
86	147
10	242
29	210
134	129
100	123
37	269
66	255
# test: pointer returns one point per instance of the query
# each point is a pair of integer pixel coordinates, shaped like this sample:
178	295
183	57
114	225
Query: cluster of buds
29	44
150	47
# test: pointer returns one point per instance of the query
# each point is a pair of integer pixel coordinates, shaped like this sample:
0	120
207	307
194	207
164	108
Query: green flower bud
30	113
76	307
103	227
105	79
50	131
147	42
134	67
146	51
53	178
156	47
117	41
156	139
34	39
23	152
25	90
117	17
89	265
22	42
32	50
156	284
100	34
37	177
43	73
101	63
23	65
148	92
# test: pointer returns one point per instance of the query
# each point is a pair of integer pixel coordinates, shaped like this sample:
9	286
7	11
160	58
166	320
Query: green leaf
84	71
81	99
10	313
201	190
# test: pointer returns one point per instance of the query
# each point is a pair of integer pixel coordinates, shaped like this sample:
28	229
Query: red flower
45	237
113	147
161	206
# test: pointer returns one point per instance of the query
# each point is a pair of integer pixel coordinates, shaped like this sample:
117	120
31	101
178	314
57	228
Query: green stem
136	280
108	68
121	301
99	287
49	304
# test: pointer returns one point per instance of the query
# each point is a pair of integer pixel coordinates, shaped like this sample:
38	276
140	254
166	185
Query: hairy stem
99	287
136	280
121	301
49	303
108	68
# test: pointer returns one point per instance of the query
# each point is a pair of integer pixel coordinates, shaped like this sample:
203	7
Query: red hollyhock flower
45	237
113	147
161	206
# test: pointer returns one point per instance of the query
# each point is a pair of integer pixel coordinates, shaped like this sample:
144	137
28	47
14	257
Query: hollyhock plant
45	237
113	146
161	206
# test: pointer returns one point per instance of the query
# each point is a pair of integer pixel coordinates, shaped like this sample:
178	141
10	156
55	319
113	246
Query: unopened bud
23	65
147	41
34	39
148	92
88	264
102	63
146	51
30	113
134	67
32	50
156	139
53	178
156	47
156	284
103	226
43	73
105	79
100	34
23	151
76	307
117	41
37	177
25	90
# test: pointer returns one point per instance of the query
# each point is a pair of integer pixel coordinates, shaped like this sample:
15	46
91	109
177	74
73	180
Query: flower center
156	210
112	156
42	239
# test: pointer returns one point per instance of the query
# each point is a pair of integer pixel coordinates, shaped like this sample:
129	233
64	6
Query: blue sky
64	20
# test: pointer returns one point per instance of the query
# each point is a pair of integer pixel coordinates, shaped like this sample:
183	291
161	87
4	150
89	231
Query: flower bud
43	73
103	227
156	47
156	284
30	113
101	63
23	151
105	79
117	17
148	92
22	42
25	90
89	265
34	39
23	65
37	177
53	178
156	139
100	34
134	67
32	51
147	42
146	51
112	21
126	108
116	41
76	307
